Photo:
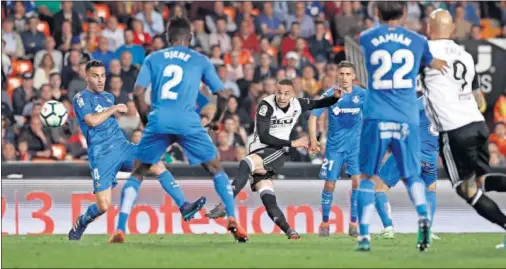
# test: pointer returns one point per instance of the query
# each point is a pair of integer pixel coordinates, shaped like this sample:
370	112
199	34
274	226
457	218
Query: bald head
440	24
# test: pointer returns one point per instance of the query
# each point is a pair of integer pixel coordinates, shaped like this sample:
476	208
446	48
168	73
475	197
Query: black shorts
273	160
465	151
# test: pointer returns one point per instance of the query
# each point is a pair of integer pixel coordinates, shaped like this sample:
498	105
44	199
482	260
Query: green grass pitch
219	251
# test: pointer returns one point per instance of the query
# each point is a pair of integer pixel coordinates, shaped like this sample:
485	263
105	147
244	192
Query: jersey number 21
176	72
386	60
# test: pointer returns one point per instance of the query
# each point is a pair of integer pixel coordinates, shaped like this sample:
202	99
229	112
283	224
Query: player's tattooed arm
96	119
140	103
478	94
221	105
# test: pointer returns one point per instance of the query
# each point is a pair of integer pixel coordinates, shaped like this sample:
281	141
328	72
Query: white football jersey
449	101
281	124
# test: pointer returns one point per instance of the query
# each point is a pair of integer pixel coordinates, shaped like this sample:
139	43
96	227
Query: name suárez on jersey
177	54
391	37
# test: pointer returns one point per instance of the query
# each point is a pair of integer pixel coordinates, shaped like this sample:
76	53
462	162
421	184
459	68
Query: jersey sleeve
476	83
82	106
210	77
318	112
427	55
144	76
263	125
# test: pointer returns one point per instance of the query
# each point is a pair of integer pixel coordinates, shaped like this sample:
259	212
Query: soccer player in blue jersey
389	174
343	138
175	75
109	151
393	56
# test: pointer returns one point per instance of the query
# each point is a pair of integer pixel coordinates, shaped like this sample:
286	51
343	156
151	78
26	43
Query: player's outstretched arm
96	119
309	104
221	105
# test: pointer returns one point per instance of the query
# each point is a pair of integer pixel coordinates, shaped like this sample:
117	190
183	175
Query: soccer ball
53	114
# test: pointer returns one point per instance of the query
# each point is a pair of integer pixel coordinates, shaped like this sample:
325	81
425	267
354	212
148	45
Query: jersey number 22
176	72
398	57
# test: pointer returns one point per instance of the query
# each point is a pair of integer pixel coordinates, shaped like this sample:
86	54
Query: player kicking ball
343	140
277	115
393	56
109	151
389	175
175	74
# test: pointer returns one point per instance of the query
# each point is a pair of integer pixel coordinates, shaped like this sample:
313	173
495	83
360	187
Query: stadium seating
21	66
44	28
103	11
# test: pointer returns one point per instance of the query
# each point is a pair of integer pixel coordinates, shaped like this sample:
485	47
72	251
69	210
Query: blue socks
91	214
416	190
353	206
224	190
431	200
171	187
326	204
128	196
383	208
365	205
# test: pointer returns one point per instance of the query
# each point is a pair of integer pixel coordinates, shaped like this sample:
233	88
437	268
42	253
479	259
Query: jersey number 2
398	81
176	72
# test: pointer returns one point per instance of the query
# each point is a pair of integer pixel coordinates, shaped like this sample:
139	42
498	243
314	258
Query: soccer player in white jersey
453	101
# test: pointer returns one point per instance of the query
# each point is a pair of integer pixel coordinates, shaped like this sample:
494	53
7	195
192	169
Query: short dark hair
391	10
286	82
178	28
52	74
115	76
319	22
94	63
347	64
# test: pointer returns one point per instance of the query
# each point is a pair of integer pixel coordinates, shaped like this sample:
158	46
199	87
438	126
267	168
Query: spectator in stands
6	64
219	13
42	72
13	42
264	70
413	16
114	33
326	83
39	143
23	94
240	153
462	26
49	47
234	139
245	13
496	159
476	32
270	25
71	70
153	21
302	51
92	36
292	58
201	37
45	94
64	38
227	83
471	10
265	47
120	96
244	82
314	8
55	83
331	71
226	152
244	54
346	23
23	154
129	72
309	84
20	17
8	131
82	8
216	55
306	22
221	37
158	43
33	40
137	52
269	86
9	152
288	43
78	83
136	136
178	10
141	37
103	53
249	39
76	44
235	67
319	47
66	14
498	137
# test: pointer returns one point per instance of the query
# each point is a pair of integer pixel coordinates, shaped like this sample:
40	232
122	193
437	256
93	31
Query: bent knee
104	205
329	186
467	189
258	163
432	187
380	185
157	168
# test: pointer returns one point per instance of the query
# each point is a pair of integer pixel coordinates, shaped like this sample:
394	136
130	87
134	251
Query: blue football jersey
429	144
105	134
344	120
393	56
175	75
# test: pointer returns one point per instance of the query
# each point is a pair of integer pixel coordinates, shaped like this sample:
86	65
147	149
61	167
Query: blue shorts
332	165
390	174
104	167
198	146
402	139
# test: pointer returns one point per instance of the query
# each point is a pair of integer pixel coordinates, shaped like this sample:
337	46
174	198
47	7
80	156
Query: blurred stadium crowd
45	45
